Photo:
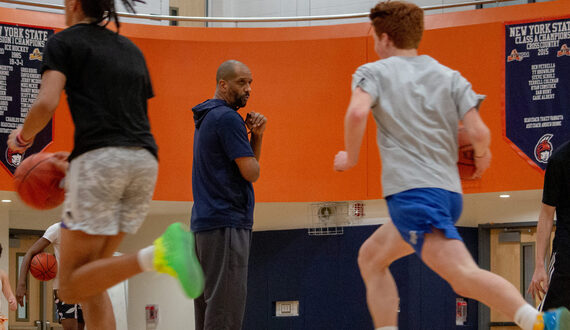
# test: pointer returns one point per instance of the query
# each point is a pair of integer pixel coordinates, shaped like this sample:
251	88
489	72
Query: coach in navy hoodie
226	162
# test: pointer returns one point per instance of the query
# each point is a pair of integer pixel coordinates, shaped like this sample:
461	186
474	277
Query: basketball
43	266
37	180
465	160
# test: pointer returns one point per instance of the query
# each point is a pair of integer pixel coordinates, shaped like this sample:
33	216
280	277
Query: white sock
525	317
387	328
146	258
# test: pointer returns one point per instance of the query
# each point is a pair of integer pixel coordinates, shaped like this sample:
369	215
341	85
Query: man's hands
539	284
255	122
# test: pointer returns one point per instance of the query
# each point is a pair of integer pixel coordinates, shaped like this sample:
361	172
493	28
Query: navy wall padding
321	272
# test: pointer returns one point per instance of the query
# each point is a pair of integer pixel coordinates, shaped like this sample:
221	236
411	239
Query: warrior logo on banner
537	88
14	158
543	148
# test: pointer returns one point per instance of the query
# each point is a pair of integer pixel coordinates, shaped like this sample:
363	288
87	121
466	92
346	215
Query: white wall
286	8
264	8
156	7
174	309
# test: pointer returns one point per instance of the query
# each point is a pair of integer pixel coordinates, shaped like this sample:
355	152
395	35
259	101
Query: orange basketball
466	160
37	181
43	266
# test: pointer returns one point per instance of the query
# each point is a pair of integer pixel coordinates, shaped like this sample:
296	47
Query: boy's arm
354	128
480	138
21	287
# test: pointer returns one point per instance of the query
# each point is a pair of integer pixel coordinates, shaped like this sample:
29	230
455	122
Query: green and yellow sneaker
174	254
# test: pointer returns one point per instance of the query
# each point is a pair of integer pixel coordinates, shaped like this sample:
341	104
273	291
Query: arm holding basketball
480	138
7	291
539	282
42	110
354	128
21	287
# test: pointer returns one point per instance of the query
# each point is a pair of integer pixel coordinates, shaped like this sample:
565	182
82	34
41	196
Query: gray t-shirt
417	105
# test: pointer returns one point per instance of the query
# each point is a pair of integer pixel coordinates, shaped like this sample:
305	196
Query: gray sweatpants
223	254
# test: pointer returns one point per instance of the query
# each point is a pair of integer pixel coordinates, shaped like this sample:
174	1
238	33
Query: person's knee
462	279
370	258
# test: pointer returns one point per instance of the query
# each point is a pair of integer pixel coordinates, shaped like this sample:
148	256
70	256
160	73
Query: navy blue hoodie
222	197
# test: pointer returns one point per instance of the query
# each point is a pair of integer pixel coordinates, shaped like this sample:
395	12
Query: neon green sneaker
174	254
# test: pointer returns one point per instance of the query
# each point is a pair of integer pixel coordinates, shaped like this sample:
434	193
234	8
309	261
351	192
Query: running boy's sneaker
554	319
174	254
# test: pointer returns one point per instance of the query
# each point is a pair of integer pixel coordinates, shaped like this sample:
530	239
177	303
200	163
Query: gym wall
302	84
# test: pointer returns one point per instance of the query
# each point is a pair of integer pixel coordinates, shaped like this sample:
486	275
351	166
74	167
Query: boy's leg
376	254
452	261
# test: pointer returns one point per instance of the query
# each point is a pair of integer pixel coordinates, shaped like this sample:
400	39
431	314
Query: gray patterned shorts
108	190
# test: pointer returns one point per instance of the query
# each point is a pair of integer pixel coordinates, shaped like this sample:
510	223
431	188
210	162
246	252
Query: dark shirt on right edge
556	193
222	197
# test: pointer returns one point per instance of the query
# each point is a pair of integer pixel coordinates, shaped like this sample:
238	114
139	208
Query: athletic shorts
416	212
108	190
68	311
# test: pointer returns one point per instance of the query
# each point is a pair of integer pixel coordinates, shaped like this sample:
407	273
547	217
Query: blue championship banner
21	53
537	88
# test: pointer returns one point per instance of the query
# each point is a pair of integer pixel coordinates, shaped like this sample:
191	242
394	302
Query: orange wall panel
301	83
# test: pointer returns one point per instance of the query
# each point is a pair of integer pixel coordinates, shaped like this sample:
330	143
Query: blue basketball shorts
416	212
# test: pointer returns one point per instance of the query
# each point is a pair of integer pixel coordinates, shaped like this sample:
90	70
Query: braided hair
104	10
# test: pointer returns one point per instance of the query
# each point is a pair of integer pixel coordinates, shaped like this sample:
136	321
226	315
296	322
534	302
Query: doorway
38	312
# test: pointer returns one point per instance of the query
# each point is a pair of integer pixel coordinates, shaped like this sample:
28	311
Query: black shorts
559	285
67	311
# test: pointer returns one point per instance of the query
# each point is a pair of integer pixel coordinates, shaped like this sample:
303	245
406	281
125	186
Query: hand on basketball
255	122
539	283
59	160
15	142
482	163
341	162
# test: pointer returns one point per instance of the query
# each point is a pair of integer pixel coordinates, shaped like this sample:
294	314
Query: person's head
233	83
397	24
96	11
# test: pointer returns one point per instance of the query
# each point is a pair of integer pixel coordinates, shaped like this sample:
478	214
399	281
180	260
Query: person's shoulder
228	114
52	232
562	153
373	65
125	40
